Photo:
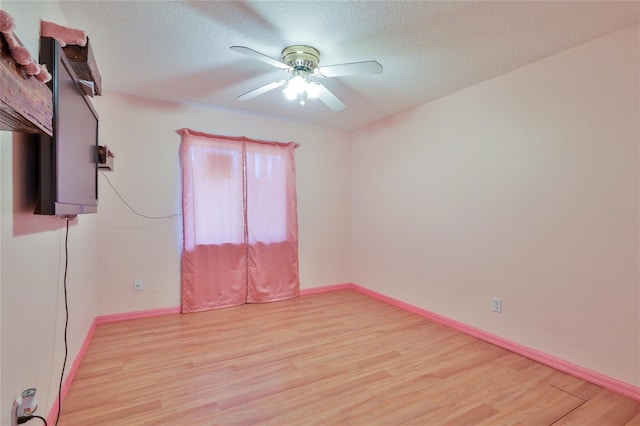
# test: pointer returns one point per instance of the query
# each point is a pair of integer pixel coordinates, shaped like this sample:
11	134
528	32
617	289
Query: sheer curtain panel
240	224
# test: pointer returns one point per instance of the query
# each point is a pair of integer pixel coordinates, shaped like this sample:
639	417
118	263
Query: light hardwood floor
339	358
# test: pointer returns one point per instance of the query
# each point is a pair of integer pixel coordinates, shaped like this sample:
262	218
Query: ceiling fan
303	63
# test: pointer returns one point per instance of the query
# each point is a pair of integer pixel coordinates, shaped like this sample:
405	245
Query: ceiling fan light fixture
295	86
300	89
290	93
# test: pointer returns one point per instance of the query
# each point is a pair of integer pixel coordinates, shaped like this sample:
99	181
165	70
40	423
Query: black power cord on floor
66	318
25	419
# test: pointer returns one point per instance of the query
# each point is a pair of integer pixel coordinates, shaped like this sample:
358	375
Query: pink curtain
240	224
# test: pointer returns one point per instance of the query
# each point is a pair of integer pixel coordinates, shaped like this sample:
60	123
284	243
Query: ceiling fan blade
329	98
261	57
354	68
261	90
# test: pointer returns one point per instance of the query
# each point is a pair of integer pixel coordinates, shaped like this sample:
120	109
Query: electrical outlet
497	304
24	405
137	285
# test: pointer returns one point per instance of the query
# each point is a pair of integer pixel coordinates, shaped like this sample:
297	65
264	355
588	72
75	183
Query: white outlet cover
497	304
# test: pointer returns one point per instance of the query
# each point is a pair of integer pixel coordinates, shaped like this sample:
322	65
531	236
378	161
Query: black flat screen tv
69	159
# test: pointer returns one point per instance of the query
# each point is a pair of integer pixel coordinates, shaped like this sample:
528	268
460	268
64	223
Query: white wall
523	187
32	308
142	135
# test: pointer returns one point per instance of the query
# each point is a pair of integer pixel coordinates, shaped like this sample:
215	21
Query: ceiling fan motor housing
301	57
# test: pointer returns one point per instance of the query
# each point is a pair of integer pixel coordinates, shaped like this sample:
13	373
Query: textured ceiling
179	51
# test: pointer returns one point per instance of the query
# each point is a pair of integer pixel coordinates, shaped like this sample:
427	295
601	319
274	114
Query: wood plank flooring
339	358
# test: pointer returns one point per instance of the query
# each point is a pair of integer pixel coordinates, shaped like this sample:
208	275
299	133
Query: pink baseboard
591	376
325	289
66	384
104	319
